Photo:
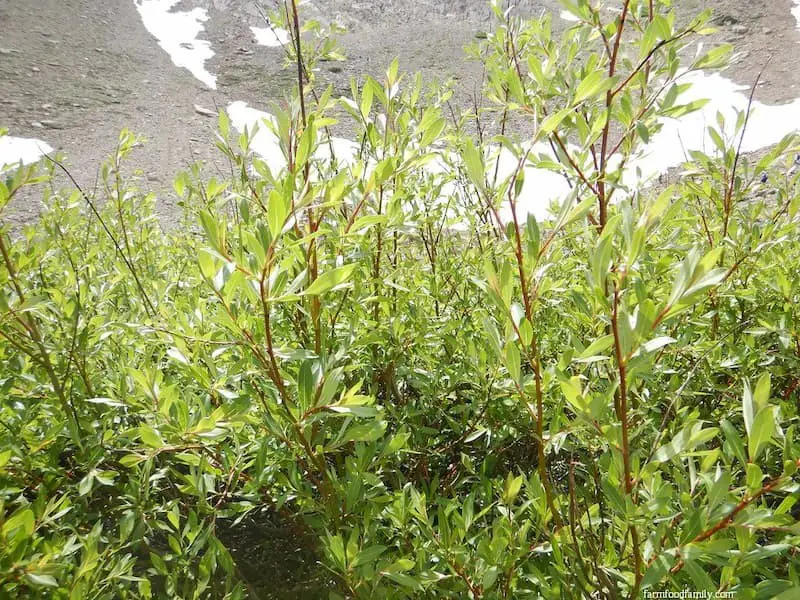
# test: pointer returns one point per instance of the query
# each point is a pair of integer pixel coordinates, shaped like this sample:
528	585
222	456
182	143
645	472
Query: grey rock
206	112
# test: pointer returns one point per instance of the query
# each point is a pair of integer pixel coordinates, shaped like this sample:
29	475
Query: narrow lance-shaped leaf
330	279
593	84
748	407
762	431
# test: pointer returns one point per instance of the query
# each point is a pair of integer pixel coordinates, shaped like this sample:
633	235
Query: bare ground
75	72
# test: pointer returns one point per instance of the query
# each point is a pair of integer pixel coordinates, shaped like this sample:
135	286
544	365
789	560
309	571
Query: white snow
16	149
669	148
540	186
568	16
266	144
768	124
177	33
270	36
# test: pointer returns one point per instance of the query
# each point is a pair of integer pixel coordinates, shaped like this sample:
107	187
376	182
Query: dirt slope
74	72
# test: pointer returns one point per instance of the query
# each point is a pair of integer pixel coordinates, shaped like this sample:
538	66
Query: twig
149	307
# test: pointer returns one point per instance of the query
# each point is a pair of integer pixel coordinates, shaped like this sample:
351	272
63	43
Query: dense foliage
384	368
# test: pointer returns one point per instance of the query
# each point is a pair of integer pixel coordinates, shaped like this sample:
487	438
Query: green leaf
493	336
513	361
277	211
749	409
330	279
208	266
714	58
150	437
355	411
223	275
209	224
131	460
657	343
707	281
511	488
490	578
656	571
398	566
106	402
753	477
597	347
594	84
734	440
178	356
762	432
762	392
39	580
403	579
335	547
473	162
571	389
368	555
366	222
674	447
85	485
551	123
22	519
397	443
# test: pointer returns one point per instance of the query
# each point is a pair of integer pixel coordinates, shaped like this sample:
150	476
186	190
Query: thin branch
149	307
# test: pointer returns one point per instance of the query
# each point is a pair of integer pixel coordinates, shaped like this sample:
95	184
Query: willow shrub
385	353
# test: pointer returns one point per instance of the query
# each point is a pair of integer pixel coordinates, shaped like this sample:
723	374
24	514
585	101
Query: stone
739	29
200	110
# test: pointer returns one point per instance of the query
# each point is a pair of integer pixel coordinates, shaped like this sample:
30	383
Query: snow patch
266	144
177	33
541	188
568	16
14	150
271	37
768	124
669	148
